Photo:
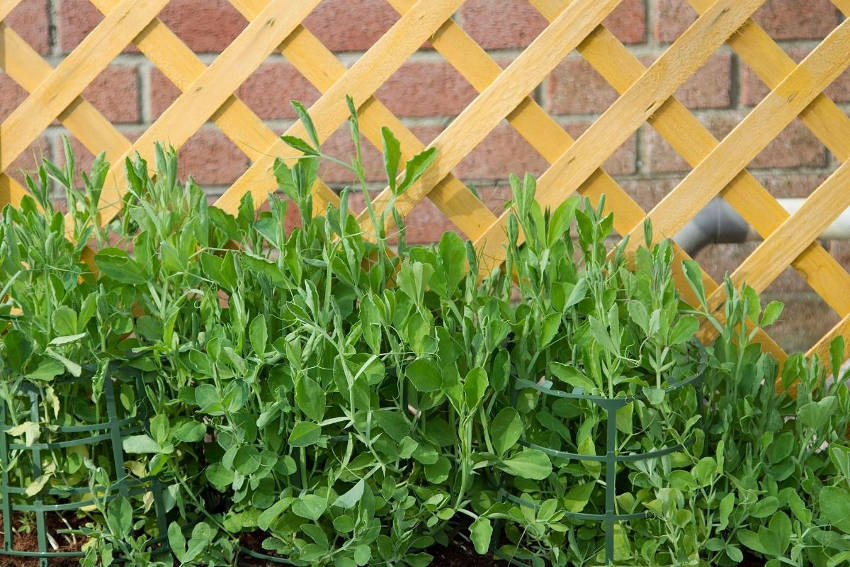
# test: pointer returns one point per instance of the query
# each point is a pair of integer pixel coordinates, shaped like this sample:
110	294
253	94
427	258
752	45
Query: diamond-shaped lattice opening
501	153
426	86
672	18
575	88
212	159
711	85
806	317
205	27
115	93
31	20
345	26
13	95
269	90
793	20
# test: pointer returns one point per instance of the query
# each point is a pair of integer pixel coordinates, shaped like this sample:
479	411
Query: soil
28	541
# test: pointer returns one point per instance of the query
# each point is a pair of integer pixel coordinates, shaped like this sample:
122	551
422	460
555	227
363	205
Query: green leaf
219	476
270	514
684	329
835	507
392	156
140	444
693	273
424	374
771	313
64	321
310	398
776	538
415	168
655	396
475	386
305	119
71	366
578	496
750	540
529	463
310	506
177	541
734	553
18	350
120	516
600	334
549	328
572	376
117	264
817	414
258	334
305	433
352	496
47	370
300	145
480	532
836	355
452	252
727	503
765	507
505	430
37	485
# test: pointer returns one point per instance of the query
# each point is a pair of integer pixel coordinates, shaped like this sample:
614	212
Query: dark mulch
23	540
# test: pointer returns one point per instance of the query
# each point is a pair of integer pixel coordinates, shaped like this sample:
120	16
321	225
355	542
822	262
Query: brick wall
427	93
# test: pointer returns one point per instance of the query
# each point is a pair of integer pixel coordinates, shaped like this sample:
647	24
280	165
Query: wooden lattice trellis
646	95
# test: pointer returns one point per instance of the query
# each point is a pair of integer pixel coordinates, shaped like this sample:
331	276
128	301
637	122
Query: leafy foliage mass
330	399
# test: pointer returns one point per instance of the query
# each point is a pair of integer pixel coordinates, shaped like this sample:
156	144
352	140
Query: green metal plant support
15	499
611	458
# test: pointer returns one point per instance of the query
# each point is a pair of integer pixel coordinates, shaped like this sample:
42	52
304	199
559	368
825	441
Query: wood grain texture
360	82
645	97
67	81
503	95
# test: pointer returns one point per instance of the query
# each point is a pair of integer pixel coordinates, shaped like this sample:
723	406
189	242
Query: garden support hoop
611	457
111	431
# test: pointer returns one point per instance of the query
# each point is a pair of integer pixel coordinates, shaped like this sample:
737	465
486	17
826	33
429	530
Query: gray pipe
718	222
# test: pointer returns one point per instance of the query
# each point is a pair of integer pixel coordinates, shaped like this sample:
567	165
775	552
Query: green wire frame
611	457
112	431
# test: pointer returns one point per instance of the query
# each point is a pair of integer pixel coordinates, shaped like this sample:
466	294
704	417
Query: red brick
11	95
502	152
269	90
659	156
720	259
162	92
211	159
28	161
342	25
672	17
501	24
790	184
75	19
792	19
115	92
207	26
710	86
621	162
794	147
574	87
628	21
648	192
753	90
426	88
30	20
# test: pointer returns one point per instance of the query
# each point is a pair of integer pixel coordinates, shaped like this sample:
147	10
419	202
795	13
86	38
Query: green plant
330	395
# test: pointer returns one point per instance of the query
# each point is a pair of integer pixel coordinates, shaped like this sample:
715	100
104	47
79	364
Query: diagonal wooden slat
28	69
766	121
693	142
503	95
7	6
794	235
360	82
68	80
623	117
322	69
213	88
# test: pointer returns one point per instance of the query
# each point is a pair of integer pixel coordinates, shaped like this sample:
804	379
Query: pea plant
331	395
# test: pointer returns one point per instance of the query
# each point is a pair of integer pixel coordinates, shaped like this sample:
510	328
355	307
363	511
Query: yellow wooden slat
322	68
634	107
360	81
211	89
772	64
503	95
7	6
68	80
764	123
794	235
693	142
